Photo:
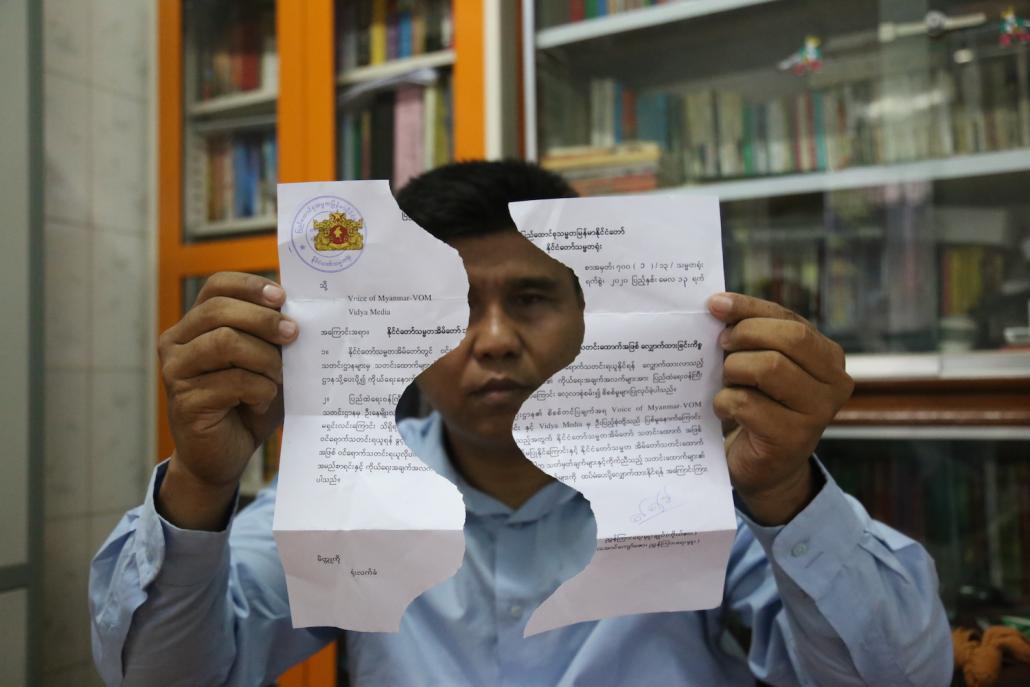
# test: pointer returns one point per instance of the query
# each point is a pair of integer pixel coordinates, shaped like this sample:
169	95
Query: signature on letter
653	506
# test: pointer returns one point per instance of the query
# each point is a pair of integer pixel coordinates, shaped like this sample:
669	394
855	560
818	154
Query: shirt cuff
174	556
818	540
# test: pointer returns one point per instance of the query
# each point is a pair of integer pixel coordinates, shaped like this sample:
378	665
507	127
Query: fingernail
724	338
720	304
287	328
273	293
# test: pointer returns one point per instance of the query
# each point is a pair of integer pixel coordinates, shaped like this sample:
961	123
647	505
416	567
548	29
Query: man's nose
495	335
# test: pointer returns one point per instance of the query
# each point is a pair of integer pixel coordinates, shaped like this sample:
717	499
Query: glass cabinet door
230	90
966	500
394	76
871	156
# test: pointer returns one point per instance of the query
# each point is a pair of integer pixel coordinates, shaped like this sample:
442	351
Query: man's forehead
505	254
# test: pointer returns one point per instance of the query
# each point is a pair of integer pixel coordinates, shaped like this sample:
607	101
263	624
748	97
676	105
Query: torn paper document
630	422
362	525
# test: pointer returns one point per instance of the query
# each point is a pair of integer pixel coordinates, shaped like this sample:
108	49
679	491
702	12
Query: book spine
819	129
577	10
617	118
378	32
392	30
408	131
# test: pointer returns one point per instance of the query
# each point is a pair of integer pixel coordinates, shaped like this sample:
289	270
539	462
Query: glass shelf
871	156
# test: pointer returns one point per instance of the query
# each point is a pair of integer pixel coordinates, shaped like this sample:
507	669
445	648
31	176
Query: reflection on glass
871	156
966	501
820	86
233	47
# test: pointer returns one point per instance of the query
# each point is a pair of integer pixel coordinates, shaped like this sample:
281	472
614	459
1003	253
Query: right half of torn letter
630	422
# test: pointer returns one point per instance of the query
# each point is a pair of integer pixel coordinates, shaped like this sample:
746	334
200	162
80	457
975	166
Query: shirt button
799	550
515	611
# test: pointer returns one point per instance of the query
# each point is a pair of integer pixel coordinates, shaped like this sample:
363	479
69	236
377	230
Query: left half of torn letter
362	525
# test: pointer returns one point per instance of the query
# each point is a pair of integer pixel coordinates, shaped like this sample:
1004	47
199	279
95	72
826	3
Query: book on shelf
598	170
377	31
554	12
397	133
238	54
241	173
723	133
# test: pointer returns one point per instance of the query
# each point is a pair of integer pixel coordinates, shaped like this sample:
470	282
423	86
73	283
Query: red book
236	41
250	58
629	114
813	155
577	10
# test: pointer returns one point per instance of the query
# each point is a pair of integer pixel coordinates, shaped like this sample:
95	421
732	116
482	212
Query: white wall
99	276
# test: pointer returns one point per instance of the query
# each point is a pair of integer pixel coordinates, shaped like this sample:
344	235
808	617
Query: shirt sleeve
849	601
184	607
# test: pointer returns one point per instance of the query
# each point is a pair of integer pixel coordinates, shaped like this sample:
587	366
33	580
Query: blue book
617	95
653	118
254	172
819	130
404	35
239	178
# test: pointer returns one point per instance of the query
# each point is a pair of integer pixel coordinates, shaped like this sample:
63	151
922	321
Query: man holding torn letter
186	591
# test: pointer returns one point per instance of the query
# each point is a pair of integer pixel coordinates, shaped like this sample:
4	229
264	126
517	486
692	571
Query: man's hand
222	372
784	383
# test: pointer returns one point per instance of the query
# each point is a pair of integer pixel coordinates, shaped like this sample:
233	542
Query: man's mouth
500	390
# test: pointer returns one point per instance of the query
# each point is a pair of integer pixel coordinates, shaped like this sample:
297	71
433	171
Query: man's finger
244	287
206	399
779	378
810	350
224	311
224	348
734	307
763	418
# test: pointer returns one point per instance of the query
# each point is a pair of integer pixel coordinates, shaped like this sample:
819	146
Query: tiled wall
100	272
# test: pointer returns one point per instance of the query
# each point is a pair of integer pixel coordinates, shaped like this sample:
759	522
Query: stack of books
600	170
241	176
377	31
398	134
240	56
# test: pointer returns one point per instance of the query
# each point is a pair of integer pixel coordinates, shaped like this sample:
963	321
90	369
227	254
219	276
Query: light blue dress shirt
832	598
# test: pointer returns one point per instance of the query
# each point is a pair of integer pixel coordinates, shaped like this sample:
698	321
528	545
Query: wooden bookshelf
235	103
955	167
303	111
439	58
632	20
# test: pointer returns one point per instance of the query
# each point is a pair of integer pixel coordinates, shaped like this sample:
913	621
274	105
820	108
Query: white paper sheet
630	423
362	525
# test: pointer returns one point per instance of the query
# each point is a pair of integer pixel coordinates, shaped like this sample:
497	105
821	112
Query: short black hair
471	197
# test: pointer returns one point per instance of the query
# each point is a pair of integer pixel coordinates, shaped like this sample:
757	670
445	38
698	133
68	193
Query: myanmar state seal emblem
328	234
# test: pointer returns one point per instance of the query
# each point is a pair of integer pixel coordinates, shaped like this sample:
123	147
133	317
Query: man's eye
530	298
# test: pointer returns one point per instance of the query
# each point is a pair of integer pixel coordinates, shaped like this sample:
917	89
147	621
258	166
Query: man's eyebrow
541	283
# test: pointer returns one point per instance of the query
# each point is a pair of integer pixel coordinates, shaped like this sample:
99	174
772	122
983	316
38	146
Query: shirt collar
426	439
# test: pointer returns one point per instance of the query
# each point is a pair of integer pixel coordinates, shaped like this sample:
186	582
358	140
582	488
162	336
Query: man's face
525	324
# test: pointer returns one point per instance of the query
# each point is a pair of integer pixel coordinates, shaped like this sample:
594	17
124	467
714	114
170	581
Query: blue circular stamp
328	234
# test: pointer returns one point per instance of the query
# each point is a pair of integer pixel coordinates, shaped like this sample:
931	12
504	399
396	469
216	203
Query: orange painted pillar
307	152
468	85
